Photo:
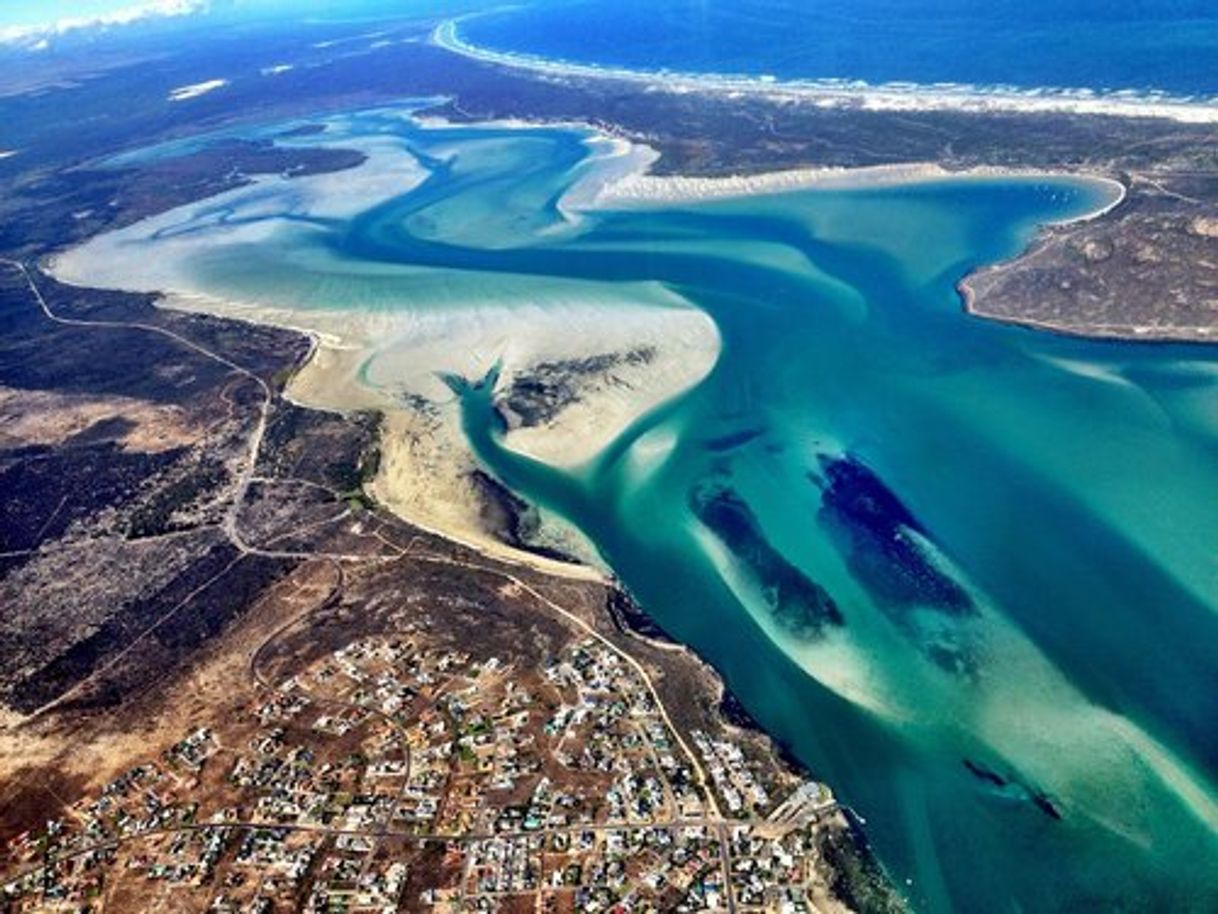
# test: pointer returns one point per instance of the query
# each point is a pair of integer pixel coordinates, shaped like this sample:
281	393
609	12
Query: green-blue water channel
965	572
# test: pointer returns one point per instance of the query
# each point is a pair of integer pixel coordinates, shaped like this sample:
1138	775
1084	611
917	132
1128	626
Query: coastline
425	469
840	93
1117	332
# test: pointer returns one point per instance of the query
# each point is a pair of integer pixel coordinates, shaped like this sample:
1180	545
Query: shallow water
963	571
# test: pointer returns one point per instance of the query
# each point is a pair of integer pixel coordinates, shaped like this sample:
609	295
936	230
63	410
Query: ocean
1116	46
962	571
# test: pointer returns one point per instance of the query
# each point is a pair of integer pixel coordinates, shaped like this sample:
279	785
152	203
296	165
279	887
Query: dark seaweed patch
1013	789
1045	805
874	529
798	603
989	776
512	519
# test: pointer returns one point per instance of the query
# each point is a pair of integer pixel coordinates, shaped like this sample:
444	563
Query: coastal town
394	775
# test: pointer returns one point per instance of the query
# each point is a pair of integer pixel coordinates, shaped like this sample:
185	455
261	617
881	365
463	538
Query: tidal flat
887	523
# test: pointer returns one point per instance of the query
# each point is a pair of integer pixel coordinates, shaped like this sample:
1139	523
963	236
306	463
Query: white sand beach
638	187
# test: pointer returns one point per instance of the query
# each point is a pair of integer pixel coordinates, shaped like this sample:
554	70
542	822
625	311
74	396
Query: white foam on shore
841	93
185	93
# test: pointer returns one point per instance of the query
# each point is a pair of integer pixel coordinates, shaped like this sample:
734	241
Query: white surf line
835	93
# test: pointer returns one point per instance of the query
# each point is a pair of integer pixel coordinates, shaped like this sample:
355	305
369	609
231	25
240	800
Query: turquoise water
964	571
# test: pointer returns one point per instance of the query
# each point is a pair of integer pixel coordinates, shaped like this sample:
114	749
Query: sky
33	23
42	12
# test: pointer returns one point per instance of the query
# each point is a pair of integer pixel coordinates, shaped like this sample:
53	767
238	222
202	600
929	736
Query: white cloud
36	37
184	93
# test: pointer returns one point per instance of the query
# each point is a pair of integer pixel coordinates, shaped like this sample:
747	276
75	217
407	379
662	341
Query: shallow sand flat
383	343
682	344
393	362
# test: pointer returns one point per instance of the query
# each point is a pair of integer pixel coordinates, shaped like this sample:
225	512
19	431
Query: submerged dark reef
873	528
798	603
1011	788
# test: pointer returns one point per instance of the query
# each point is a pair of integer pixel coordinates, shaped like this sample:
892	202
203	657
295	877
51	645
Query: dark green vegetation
629	617
346	460
83	473
859	881
116	530
157	514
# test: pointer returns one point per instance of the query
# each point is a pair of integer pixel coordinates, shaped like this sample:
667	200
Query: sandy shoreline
853	94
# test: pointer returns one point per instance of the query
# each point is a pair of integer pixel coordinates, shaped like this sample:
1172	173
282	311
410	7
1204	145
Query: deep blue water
1116	45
